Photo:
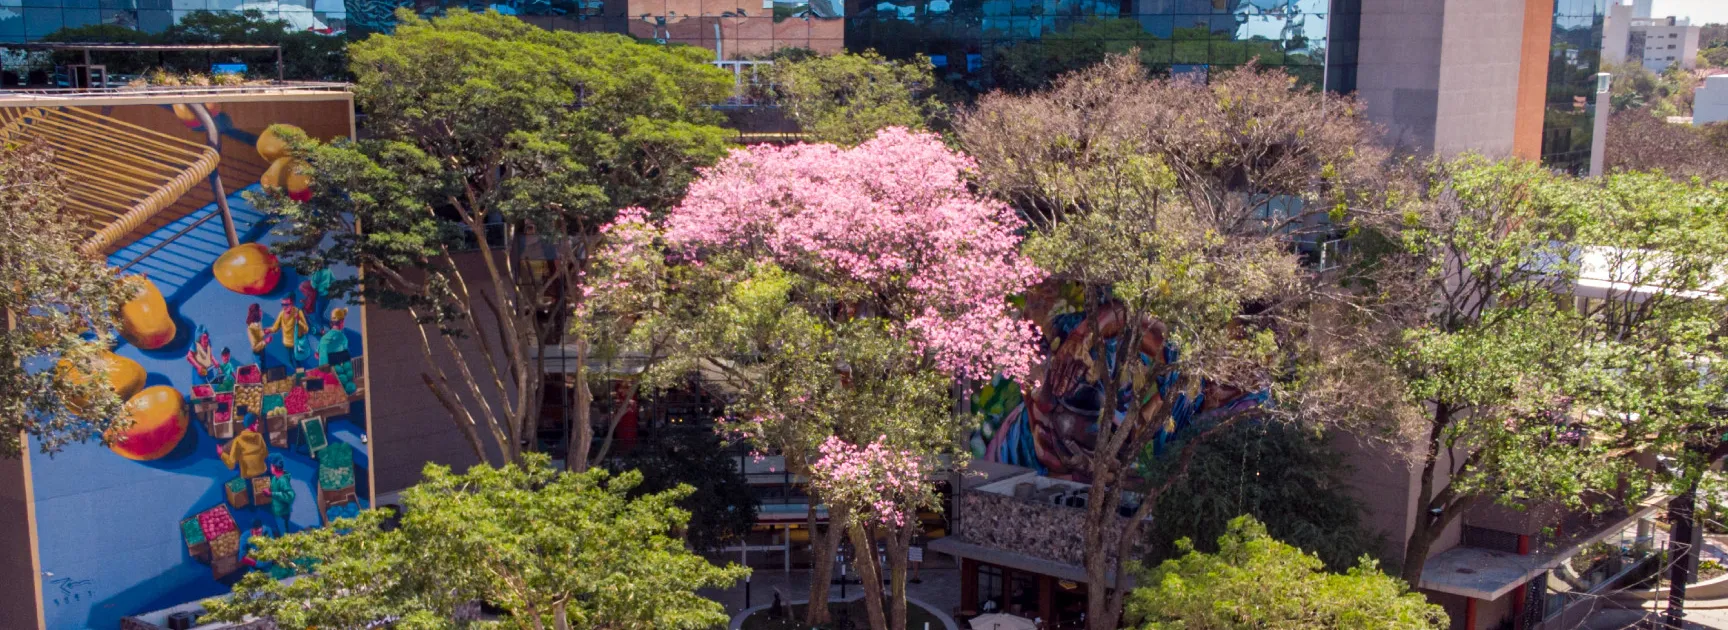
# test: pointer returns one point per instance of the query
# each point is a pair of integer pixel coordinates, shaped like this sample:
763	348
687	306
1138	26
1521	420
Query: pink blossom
893	214
878	482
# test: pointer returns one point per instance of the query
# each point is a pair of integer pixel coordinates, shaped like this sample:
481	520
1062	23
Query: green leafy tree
1547	328
1656	247
1486	356
1179	209
517	143
722	507
845	98
1255	581
553	549
1636	87
58	302
1276	473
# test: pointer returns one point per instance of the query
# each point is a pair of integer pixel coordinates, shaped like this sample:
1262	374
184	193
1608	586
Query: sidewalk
1617	619
939	587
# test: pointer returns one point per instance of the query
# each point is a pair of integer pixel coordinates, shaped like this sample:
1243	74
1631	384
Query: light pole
1599	131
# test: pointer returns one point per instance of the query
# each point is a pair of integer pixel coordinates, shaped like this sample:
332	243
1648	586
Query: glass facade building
1575	56
984	43
1022	43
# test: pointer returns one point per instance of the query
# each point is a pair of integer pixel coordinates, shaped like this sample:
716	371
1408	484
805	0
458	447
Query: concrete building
1710	102
1631	34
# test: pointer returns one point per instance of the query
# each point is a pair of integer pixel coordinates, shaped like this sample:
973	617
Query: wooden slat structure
121	175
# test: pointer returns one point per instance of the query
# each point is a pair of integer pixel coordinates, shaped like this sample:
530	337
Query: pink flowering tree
839	296
884	488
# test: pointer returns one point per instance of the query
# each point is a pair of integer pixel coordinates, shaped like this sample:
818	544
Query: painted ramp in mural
250	417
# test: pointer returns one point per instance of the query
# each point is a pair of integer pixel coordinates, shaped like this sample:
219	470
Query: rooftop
61	96
1488	574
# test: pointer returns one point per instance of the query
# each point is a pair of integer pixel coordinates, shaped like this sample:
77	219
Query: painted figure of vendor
256	333
247	540
202	360
247	451
281	493
291	322
334	349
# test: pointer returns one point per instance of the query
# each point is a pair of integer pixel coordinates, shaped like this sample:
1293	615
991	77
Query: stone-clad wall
1051	532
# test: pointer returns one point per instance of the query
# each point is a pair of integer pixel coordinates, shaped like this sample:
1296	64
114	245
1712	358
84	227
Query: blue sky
1701	11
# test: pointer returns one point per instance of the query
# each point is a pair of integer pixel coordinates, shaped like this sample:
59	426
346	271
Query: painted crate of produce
248	374
239	495
261	491
274	404
216	521
250	397
297	401
196	544
335	478
278	386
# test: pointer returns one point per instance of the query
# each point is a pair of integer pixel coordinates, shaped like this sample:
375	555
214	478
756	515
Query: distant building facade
1631	34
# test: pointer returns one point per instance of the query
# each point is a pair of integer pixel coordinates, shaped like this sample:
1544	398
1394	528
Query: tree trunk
1416	549
1681	520
898	540
1426	530
823	547
865	562
576	458
1095	553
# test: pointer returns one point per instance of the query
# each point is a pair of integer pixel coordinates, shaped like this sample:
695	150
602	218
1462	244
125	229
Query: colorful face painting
245	380
1053	427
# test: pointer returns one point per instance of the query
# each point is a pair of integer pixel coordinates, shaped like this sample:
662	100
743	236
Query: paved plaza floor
938	586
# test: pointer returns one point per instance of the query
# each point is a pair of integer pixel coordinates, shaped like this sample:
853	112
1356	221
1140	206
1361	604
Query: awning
1002	621
1488	575
119	174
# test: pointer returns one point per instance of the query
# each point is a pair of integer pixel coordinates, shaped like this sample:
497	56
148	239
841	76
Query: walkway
939	587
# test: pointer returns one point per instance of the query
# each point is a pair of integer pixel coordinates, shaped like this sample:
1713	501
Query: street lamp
1599	130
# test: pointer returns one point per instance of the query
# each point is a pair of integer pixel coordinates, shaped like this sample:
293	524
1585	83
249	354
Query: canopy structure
1002	621
119	174
88	48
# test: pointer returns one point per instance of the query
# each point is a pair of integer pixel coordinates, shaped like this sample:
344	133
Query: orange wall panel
1533	78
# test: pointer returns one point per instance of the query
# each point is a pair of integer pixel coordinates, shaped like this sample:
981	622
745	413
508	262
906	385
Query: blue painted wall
108	527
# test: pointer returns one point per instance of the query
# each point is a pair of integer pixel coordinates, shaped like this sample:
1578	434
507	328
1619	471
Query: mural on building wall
245	379
1053	427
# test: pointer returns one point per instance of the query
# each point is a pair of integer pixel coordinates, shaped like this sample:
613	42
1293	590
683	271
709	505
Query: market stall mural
1051	426
243	377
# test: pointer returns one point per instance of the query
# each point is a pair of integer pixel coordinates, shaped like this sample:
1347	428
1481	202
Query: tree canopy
1136	188
511	146
839	292
59	304
1279	474
553	549
1256	582
845	98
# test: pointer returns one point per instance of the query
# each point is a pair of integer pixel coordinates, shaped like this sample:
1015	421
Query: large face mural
1052	426
244	379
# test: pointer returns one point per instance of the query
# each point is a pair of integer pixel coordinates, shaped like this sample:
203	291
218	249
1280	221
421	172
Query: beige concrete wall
1443	75
1398	72
1385	485
1490	615
1482	46
21	605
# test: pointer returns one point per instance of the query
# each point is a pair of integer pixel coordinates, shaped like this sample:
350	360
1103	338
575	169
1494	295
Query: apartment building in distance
1658	43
